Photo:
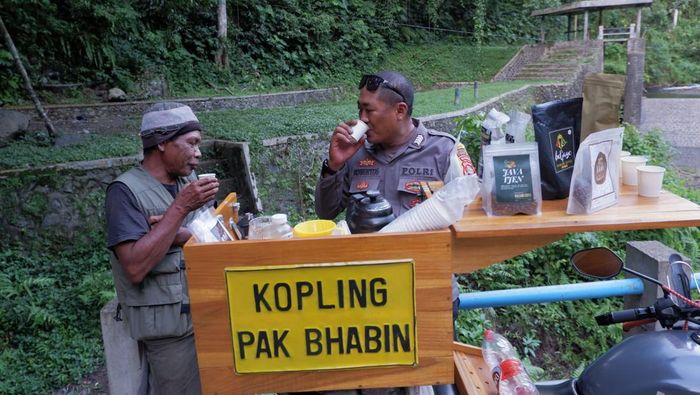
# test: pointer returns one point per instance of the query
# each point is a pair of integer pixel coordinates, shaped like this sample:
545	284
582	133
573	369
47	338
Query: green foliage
672	54
426	64
26	153
49	321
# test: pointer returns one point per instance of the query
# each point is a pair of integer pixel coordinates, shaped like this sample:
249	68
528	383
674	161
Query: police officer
146	209
394	156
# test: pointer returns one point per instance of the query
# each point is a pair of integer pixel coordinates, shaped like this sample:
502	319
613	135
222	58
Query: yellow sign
330	316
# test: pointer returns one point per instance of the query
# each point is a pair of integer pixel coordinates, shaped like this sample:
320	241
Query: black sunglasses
372	82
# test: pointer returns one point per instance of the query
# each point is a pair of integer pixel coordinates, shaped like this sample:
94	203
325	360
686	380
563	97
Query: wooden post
575	26
585	26
601	32
639	21
675	18
633	30
542	30
27	81
568	27
635	80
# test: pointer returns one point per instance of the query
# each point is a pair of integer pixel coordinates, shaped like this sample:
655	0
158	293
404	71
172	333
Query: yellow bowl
314	228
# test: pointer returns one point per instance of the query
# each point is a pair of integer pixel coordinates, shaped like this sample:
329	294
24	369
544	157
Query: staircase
558	63
561	61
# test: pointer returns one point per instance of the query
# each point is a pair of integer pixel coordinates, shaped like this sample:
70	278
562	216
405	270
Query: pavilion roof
594	5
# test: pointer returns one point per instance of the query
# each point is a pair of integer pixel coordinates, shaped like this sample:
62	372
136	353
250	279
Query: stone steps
549	67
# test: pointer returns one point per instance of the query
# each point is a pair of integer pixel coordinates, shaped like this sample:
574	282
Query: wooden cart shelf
474	242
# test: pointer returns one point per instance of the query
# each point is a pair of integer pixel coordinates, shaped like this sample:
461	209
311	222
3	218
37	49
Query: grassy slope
251	125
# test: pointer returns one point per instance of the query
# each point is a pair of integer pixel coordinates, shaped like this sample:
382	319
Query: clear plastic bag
595	180
207	227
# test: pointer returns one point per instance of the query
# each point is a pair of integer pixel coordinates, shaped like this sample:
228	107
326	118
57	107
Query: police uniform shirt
396	174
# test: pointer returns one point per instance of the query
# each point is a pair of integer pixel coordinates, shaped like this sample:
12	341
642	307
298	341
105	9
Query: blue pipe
552	293
697	278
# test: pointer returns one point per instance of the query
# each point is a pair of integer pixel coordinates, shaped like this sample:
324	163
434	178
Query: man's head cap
165	121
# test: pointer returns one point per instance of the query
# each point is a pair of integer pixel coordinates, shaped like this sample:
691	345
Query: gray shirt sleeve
125	221
330	192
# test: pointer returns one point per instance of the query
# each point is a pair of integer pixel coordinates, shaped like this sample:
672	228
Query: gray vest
154	308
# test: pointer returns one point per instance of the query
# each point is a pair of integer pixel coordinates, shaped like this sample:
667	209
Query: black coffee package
557	132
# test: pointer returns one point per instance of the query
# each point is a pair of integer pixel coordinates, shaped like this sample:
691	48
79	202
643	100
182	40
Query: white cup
650	179
629	168
207	175
619	165
359	130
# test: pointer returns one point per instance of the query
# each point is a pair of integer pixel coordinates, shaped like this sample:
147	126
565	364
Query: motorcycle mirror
597	262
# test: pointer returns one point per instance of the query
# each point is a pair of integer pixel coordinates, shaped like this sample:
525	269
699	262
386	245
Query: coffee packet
595	184
602	95
557	132
511	183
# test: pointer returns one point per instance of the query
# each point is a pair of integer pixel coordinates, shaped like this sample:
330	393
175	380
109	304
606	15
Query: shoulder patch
433	132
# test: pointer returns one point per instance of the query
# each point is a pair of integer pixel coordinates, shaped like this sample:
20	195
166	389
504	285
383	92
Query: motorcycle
660	362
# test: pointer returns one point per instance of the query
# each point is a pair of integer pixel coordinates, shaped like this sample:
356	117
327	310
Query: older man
146	210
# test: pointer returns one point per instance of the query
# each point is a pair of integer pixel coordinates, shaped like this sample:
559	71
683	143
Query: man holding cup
395	154
146	209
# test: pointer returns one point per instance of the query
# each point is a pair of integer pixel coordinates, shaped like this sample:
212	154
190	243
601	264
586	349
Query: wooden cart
474	242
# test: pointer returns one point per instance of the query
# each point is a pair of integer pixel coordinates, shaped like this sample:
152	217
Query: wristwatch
325	169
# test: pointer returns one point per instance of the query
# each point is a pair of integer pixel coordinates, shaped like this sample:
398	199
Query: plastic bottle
506	369
280	228
514	379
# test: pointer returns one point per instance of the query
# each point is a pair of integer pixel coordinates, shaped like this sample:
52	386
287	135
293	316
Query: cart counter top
632	212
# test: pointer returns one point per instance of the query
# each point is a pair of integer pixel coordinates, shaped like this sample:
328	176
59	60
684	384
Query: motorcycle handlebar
625	315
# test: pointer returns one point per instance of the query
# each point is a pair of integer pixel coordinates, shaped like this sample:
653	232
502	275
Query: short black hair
401	84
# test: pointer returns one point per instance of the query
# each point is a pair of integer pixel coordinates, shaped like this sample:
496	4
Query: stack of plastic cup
443	209
629	168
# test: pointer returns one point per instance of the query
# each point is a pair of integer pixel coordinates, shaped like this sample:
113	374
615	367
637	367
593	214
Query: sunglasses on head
372	82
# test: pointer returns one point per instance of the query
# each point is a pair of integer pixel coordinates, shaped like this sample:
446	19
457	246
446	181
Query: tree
27	81
222	51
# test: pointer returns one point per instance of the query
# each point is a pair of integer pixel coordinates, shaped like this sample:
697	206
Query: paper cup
207	175
619	165
629	168
650	179
359	130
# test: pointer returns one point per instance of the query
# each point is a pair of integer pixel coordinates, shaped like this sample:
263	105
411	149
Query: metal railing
615	34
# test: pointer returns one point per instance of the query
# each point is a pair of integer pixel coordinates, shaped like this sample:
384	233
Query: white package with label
595	180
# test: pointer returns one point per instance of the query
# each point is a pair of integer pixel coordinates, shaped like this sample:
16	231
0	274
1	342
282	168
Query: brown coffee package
602	94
